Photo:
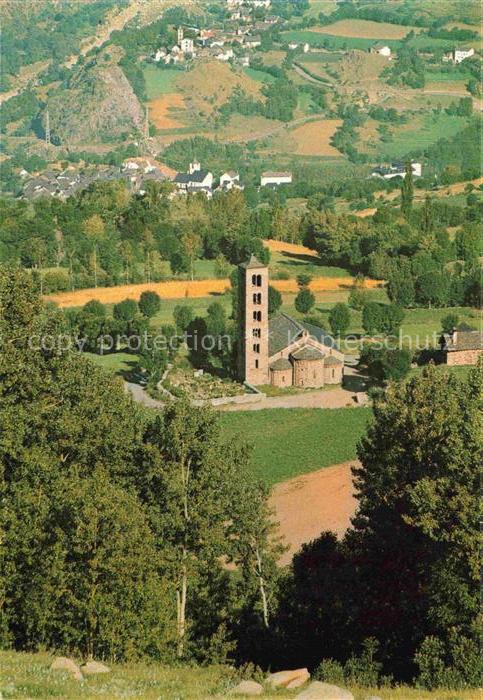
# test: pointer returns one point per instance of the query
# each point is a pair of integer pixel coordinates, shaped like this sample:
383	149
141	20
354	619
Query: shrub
55	281
449	323
339	319
125	310
363	671
384	363
304	301
303	279
94	308
149	303
183	315
330	671
274	300
371	317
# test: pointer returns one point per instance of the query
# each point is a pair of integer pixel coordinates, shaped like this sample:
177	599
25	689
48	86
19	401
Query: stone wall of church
281	377
333	375
308	373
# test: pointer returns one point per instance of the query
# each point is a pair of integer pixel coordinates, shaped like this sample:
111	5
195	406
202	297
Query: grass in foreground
28	676
289	442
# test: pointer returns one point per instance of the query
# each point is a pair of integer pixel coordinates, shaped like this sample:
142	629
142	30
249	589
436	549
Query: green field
292	264
118	362
420	133
27	676
329	41
259	75
288	442
160	81
322	57
439	76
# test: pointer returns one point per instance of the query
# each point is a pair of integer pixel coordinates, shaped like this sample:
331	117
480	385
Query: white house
225	55
274	179
252	41
245	61
195	180
381	50
187	45
230	180
293	45
306	48
160	53
259	3
388	172
458	55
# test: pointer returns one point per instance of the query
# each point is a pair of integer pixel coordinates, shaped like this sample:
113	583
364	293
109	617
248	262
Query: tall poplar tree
407	191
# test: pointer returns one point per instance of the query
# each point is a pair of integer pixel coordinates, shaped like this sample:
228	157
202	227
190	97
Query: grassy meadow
288	442
419	132
160	81
27	676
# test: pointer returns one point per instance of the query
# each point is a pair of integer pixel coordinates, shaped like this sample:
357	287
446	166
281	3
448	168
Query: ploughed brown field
185	289
310	504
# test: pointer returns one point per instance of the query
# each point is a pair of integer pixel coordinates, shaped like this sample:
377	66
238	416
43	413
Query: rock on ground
286	679
247	688
63	663
300	680
95	667
324	691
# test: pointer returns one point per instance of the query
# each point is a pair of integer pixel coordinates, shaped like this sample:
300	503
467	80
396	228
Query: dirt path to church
312	503
325	398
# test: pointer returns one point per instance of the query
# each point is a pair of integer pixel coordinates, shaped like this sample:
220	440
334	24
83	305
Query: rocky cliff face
98	104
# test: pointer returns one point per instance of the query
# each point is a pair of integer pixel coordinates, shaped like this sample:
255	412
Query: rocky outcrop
324	691
98	103
63	663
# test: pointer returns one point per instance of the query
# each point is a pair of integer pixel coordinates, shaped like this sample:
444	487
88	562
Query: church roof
252	263
331	360
320	335
307	352
280	364
284	330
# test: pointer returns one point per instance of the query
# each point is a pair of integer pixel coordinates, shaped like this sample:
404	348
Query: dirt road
325	398
309	504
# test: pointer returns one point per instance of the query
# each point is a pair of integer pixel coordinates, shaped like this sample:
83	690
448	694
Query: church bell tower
253	322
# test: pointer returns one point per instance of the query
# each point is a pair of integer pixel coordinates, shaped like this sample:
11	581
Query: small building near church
462	347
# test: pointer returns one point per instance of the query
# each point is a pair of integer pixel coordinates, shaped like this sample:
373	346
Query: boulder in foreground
63	663
247	688
324	691
94	667
287	679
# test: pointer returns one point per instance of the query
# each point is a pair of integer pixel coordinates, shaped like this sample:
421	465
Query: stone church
281	350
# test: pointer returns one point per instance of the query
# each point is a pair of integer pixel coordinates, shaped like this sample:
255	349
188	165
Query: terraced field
313	138
366	29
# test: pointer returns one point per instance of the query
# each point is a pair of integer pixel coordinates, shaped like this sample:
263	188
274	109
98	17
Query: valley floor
28	676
